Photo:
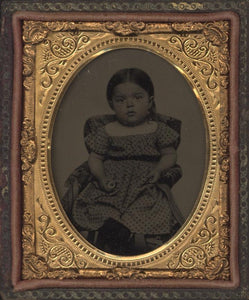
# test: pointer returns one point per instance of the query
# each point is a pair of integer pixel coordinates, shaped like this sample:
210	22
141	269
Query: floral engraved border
29	149
199	254
71	40
211	59
58	256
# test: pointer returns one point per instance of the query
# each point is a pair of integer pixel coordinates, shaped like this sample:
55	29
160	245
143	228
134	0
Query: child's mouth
131	113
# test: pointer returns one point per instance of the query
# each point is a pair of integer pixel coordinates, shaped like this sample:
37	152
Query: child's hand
107	185
153	176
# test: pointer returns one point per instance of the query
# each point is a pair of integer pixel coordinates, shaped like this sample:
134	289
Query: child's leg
113	237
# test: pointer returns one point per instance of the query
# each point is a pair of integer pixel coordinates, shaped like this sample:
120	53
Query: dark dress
135	205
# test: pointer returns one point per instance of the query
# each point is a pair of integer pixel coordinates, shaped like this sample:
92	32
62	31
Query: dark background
86	97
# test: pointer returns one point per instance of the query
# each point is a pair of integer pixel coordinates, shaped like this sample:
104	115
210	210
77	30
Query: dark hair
133	75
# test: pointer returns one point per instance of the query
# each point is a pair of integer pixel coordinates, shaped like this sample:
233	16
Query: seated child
125	208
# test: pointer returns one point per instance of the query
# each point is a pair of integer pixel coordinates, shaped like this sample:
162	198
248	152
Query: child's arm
95	163
168	160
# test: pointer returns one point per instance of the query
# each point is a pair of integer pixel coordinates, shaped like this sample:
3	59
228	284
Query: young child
125	206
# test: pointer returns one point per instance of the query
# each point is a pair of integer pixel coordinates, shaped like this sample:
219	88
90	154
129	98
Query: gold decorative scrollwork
66	44
50	70
61	26
201	51
125	28
48	232
80	261
28	149
122	273
60	255
53	246
64	47
207	232
56	53
218	268
224	167
193	256
193	49
217	34
187	27
224	244
36	267
28	59
224	157
198	53
34	32
202	55
224	139
205	252
33	265
27	233
58	260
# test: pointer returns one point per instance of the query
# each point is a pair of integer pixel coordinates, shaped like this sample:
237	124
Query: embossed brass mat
53	53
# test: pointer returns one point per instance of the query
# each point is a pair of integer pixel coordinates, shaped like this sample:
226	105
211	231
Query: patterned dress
140	206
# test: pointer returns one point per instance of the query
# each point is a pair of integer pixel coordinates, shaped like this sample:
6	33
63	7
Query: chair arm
75	183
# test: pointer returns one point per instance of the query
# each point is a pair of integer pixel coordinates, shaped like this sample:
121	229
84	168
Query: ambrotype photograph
127	162
129	151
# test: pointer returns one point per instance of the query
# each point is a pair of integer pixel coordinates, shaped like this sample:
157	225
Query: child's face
131	103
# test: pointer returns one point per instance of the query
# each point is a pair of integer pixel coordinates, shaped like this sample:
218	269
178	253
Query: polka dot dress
140	206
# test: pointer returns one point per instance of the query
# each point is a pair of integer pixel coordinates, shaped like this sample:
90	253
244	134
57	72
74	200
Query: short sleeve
97	141
166	136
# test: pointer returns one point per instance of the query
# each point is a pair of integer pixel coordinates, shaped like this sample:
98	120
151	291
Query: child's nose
130	102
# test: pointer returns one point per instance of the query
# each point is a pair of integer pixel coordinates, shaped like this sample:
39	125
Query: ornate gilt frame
204	252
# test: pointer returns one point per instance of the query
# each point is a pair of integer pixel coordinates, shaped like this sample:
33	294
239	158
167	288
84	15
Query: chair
81	176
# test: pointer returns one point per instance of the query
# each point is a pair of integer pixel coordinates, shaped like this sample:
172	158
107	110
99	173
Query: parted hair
133	75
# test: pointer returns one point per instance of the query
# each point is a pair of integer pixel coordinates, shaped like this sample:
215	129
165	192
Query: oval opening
85	98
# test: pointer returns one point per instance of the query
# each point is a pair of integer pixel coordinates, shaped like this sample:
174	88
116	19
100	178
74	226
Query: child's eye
119	99
138	96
